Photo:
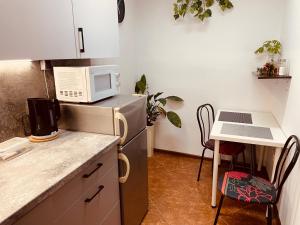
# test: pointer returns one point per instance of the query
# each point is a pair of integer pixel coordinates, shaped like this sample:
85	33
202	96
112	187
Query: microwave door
71	84
102	85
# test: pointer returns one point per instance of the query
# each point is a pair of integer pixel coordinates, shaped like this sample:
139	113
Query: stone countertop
28	179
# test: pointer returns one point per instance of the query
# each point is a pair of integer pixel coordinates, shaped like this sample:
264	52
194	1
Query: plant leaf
176	16
158	94
163	101
174	98
207	13
149	97
259	50
162	111
174	119
209	3
143	79
136	88
141	85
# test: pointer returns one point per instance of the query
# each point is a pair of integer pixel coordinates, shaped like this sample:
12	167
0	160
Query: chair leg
212	163
233	162
244	159
219	210
200	167
270	215
252	167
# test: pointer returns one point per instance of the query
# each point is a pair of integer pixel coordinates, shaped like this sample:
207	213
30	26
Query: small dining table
255	128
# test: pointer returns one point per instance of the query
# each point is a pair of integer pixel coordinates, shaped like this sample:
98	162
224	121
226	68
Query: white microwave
86	84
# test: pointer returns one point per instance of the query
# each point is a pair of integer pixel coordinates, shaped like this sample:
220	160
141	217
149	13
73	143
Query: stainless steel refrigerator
123	115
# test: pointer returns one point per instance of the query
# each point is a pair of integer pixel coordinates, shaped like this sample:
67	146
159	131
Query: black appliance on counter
43	116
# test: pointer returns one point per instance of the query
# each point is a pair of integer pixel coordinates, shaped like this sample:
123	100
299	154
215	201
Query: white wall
128	47
210	62
287	109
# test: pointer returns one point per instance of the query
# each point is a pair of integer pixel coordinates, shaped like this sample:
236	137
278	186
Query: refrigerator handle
121	117
124	158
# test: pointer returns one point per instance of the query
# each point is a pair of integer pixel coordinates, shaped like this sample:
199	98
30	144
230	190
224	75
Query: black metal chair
247	188
206	118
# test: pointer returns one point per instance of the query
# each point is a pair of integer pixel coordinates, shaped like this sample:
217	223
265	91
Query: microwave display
102	82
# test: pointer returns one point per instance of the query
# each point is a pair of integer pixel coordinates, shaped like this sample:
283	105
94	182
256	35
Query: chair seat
226	148
247	188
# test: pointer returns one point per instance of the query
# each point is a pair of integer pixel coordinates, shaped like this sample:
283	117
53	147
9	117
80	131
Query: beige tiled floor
176	198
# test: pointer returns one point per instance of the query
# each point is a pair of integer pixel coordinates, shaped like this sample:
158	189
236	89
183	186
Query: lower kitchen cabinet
114	217
90	198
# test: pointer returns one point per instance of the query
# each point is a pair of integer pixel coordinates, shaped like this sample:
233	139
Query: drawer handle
91	173
100	188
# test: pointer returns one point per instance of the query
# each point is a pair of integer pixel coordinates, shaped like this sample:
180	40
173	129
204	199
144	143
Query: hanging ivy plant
199	8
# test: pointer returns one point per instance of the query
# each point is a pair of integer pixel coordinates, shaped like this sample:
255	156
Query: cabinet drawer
65	197
114	217
42	212
74	191
90	213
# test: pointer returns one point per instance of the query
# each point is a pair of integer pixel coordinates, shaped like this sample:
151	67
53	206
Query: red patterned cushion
247	188
226	148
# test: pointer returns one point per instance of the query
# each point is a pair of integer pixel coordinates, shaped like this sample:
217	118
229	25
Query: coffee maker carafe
43	116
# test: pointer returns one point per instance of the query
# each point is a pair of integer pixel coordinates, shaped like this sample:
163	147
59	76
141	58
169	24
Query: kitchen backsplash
19	80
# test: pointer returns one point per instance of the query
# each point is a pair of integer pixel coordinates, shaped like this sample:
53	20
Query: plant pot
150	140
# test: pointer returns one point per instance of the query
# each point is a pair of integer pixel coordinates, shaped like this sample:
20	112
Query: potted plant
273	49
155	109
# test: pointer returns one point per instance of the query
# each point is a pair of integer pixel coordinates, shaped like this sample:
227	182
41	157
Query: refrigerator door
130	119
87	118
101	117
134	192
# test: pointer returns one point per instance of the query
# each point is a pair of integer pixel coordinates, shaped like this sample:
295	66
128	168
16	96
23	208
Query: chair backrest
283	169
206	118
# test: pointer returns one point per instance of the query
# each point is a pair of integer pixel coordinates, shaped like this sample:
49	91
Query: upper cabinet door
96	28
37	29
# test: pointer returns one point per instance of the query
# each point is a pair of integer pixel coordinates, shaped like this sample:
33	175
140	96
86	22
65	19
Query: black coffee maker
43	116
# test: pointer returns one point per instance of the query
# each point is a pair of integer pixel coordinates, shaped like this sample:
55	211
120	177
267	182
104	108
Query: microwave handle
121	117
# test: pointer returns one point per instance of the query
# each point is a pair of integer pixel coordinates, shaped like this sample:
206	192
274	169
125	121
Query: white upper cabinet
58	29
36	29
96	27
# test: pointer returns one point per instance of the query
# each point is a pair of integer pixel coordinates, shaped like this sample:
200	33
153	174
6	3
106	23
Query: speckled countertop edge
96	144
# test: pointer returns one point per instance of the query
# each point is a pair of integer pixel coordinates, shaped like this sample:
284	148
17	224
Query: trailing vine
199	8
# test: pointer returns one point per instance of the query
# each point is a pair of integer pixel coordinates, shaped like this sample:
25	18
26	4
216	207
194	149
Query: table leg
215	174
276	157
261	157
253	160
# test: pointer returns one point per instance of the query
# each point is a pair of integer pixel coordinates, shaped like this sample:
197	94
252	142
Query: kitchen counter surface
27	180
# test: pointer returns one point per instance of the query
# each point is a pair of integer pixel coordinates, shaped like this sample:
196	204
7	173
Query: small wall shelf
271	77
274	77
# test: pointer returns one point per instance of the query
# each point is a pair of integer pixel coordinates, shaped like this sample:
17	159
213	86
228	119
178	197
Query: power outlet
45	65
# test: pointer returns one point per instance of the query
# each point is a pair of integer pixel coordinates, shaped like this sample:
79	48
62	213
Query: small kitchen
104	106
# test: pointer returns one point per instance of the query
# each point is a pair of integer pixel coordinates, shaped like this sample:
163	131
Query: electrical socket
45	65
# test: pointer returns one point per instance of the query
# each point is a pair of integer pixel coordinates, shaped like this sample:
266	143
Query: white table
259	119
